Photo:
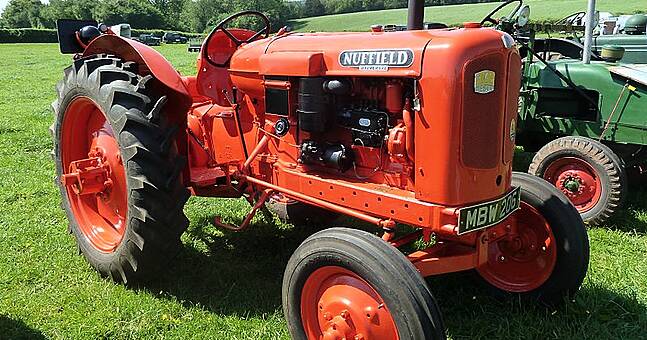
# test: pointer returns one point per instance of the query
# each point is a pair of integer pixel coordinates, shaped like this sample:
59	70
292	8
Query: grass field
227	285
457	14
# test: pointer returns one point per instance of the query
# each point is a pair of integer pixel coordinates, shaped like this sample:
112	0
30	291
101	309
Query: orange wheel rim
93	174
337	304
524	261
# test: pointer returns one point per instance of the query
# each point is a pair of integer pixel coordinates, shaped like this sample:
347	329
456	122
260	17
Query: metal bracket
259	204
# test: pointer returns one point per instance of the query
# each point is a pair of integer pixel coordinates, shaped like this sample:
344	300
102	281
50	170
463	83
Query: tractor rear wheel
298	213
548	257
118	169
588	172
344	283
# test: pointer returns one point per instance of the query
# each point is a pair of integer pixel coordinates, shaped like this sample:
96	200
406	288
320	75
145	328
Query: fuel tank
467	83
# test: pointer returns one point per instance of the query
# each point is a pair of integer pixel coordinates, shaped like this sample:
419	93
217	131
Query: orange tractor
413	128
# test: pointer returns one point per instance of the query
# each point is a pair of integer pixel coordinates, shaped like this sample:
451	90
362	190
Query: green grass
457	14
227	285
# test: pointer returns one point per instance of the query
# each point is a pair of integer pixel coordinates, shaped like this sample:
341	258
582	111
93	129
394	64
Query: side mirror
524	16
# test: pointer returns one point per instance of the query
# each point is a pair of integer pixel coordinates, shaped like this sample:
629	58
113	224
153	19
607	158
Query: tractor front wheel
588	172
547	258
118	169
344	283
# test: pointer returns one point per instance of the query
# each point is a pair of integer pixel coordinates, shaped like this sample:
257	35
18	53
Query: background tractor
626	31
411	127
583	113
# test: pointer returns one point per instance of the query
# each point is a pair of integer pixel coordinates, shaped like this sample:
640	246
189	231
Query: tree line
183	15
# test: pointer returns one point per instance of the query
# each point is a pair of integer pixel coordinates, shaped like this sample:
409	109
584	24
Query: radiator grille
483	114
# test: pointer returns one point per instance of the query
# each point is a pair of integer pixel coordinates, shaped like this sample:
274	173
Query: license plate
487	214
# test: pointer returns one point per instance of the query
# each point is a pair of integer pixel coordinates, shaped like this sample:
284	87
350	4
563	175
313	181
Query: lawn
227	285
457	14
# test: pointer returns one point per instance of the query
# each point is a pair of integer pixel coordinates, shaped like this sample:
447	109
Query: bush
159	33
35	35
28	35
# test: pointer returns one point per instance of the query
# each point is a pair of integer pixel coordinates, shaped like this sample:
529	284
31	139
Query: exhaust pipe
588	33
416	15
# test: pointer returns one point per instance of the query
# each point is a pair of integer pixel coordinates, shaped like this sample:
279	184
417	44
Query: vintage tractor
392	128
628	32
584	114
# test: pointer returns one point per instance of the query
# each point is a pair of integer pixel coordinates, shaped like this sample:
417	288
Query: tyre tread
157	196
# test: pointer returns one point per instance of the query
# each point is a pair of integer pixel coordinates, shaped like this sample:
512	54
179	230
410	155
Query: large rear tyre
118	169
588	172
548	257
344	283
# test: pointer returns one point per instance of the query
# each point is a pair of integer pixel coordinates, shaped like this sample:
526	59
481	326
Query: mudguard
149	60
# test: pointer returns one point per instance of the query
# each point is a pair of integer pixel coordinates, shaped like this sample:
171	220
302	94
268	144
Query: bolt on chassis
392	128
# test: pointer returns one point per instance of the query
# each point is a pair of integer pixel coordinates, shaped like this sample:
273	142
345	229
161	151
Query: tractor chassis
449	253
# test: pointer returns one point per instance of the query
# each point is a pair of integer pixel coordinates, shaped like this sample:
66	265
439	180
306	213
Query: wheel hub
571	184
346	307
577	179
88	176
524	260
340	327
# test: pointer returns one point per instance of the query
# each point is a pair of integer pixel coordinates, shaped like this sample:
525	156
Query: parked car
195	44
174	38
149	40
122	30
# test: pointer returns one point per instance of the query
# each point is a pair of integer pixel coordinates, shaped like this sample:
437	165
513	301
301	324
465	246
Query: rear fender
151	62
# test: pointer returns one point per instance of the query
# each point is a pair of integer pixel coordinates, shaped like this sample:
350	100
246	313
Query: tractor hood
332	54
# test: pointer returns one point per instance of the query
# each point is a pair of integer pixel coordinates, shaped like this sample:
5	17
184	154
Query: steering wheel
571	19
489	18
222	26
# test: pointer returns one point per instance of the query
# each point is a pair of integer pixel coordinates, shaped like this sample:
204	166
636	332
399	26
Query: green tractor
633	39
583	113
628	32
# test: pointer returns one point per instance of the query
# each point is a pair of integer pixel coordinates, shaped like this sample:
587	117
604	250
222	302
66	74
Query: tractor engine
361	112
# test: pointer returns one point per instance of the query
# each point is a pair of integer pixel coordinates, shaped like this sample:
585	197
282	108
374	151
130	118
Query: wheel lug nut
370	312
345	315
502	258
327	316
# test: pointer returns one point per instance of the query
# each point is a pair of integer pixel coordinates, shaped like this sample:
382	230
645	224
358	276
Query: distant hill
455	14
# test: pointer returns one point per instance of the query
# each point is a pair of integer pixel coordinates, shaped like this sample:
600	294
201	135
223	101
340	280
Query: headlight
524	16
508	40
